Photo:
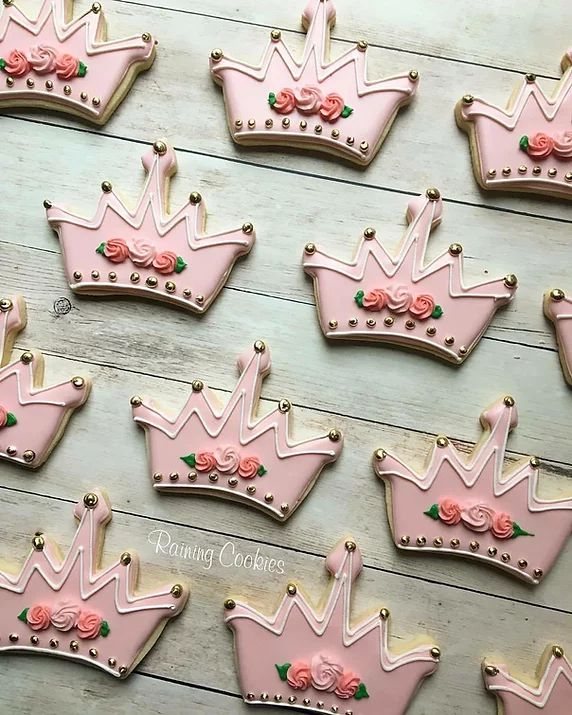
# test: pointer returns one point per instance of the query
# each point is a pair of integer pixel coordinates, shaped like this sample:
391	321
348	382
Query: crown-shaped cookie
231	452
528	145
32	417
149	252
55	62
558	309
401	300
315	103
74	609
317	661
469	507
551	693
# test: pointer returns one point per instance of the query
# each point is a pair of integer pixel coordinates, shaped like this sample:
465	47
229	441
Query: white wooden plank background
378	396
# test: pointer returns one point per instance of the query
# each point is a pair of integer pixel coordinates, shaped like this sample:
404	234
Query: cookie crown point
558	309
149	251
495	514
63	62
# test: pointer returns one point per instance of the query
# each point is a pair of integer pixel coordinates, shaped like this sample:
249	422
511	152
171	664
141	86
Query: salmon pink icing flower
142	253
205	461
422	306
67	66
563	145
376	299
38	617
540	145
88	624
399	298
332	107
309	100
478	517
248	467
285	101
449	511
64	616
17	64
116	250
502	526
347	685
3	416
165	262
43	59
325	672
299	676
227	459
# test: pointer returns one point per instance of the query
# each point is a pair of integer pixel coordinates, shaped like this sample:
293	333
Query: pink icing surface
135	621
344	80
560	313
108	63
467	311
149	232
202	426
325	640
479	481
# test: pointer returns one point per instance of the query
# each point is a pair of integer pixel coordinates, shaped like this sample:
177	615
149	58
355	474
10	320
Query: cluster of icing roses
310	100
7	419
64	616
226	460
399	299
542	145
478	517
142	254
323	673
42	59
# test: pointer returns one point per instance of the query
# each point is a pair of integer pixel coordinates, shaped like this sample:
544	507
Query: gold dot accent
269	123
217	55
275	35
509	401
251	123
318	129
247	228
552	173
95	275
558	651
160	148
291	589
388	321
505	557
384	614
229	604
177	590
441	441
522	169
362	45
405	540
195	198
506	171
259	346
170	287
421	541
380	455
455	249
134	277
369	233
29	456
491	670
530	77
455	543
152	282
125	558
350	546
433	194
30	82
334	435
537	171
492	551
67	90
474	545
90	500
197	385
468	99
413	75
491	173
136	401
556	294
435	653
284	406
303	125
511	281
27	357
285	122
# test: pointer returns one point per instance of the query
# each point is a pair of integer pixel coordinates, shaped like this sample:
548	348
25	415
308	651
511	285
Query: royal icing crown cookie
149	252
231	452
32	418
558	309
550	693
528	145
315	103
313	659
401	300
470	507
74	609
55	62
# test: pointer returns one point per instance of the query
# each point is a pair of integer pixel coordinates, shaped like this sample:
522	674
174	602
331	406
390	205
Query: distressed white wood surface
378	396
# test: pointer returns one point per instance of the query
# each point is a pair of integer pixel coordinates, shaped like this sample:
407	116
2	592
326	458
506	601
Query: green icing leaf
437	312
24	615
181	265
190	460
433	512
523	143
2	63
81	70
261	470
283	670
101	248
517	531
358	297
271	99
10	419
346	112
105	629
361	692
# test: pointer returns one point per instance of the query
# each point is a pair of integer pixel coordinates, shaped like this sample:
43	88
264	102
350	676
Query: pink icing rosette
3	416
17	64
67	66
325	672
227	459
347	685
205	461
248	467
449	511
88	624
376	299
502	526
332	107
165	262
142	253
64	616
399	298
285	101
422	306
309	100
43	59
540	145
478	517
38	617
116	250
563	145
299	676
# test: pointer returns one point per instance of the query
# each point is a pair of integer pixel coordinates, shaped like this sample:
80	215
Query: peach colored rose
64	616
67	66
332	107
449	511
540	145
116	250
376	299
205	461
422	306
563	145
299	676
502	525
142	253
3	416
309	100
347	685
325	672
227	459
43	59
38	617
17	64
399	298
285	101
88	624
478	517
248	467
165	262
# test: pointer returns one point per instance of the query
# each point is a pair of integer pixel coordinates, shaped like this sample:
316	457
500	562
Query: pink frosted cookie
231	452
558	309
549	694
32	418
74	609
315	103
315	660
55	62
528	145
470	507
149	252
401	299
